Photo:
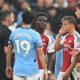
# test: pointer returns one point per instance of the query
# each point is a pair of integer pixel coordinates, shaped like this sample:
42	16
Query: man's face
8	19
40	3
41	21
66	26
52	12
1	3
25	6
48	3
12	16
77	13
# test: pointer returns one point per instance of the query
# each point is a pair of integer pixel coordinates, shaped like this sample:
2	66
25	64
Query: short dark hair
27	17
52	8
22	1
70	19
4	14
78	5
41	14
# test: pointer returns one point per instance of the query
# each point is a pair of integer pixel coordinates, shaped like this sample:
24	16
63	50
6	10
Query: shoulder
18	29
44	36
35	32
4	30
77	36
15	31
47	34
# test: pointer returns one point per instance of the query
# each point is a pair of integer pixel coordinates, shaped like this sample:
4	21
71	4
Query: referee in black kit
5	22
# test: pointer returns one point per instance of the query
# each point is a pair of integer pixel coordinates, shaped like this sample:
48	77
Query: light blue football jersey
25	42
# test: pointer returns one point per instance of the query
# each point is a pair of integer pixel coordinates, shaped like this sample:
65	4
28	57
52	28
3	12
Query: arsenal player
70	42
41	20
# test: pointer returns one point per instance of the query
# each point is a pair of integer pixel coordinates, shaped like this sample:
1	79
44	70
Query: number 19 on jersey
20	45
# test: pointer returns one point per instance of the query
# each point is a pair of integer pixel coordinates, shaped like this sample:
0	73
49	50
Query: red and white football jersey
70	41
50	48
45	41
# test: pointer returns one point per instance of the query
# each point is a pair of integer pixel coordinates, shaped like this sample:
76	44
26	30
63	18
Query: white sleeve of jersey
51	42
62	39
50	48
77	41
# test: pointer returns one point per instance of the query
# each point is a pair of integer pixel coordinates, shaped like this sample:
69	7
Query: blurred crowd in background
56	9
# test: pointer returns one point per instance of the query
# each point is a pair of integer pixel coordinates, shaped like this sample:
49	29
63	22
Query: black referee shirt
4	36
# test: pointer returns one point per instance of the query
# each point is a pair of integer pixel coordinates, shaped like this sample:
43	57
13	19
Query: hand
62	31
65	76
45	75
74	52
8	72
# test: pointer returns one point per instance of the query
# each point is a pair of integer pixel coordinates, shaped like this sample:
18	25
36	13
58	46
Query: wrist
68	72
45	69
8	65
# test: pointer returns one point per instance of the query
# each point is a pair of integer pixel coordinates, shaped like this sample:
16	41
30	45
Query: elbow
6	50
41	55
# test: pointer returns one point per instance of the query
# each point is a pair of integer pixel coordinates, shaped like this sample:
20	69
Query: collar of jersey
26	28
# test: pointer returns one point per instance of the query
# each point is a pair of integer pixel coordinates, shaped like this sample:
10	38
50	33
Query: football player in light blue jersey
26	42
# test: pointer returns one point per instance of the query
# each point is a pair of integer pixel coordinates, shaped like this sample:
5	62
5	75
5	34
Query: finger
43	76
46	76
73	53
71	48
8	74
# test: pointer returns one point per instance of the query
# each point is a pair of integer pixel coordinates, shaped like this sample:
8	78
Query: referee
5	22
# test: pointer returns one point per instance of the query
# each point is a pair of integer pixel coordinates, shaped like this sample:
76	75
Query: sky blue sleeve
38	40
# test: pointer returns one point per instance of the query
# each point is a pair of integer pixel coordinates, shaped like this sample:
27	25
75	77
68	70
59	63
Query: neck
6	24
41	32
47	30
26	25
71	32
